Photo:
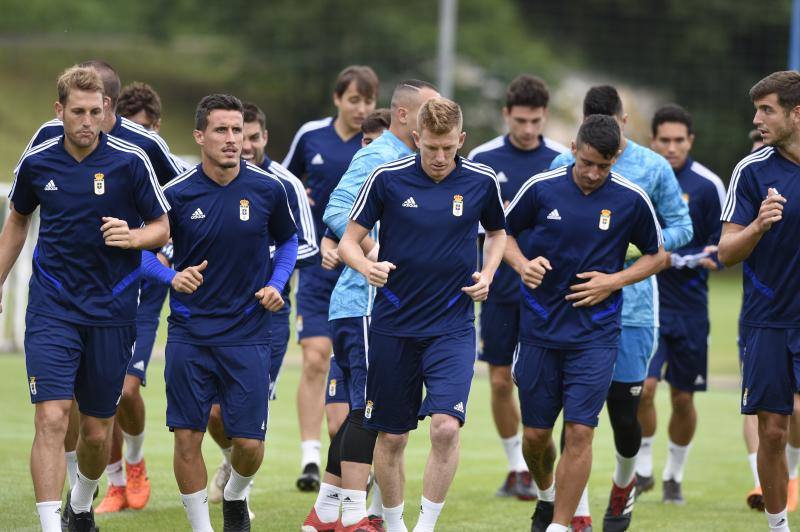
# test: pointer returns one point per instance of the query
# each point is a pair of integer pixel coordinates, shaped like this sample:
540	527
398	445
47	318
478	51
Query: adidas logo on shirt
554	215
318	159
139	365
459	407
198	214
501	177
50	185
410	203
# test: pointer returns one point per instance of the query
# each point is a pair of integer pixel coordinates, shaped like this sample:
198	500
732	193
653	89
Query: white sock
549	494
583	504
49	515
376	504
676	462
644	460
236	488
82	494
72	467
310	450
115	474
792	459
328	501
226	454
393	518
133	447
196	505
753	459
428	514
625	470
555	527
354	506
778	522
513	448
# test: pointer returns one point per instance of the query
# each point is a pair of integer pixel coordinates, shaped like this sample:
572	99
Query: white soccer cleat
217	486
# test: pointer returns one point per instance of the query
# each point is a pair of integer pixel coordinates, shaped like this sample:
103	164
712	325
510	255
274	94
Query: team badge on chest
244	210
605	220
458	205
99	184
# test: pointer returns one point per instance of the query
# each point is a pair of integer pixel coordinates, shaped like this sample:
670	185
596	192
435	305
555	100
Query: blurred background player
514	157
682	355
319	155
255	139
638	339
761	224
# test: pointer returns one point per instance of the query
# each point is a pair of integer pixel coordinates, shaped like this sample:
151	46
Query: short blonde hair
79	78
440	116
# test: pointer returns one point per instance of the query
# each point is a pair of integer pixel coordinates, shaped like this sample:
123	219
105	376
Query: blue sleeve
646	232
368	207
283	263
668	201
521	212
344	195
22	194
562	159
150	200
330	234
492	216
153	270
743	201
294	161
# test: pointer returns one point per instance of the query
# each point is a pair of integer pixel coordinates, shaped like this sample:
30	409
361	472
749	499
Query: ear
266	137
106	104
415	136
198	137
402	115
59	110
461	138
505	113
157	125
337	101
573	148
795	114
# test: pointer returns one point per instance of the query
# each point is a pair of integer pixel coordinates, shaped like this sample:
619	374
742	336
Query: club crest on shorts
99	184
298	323
458	205
368	410
32	385
605	220
332	388
244	210
744	397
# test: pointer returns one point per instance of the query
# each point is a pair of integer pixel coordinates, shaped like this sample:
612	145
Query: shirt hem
771	324
570	347
419	334
232	343
109	322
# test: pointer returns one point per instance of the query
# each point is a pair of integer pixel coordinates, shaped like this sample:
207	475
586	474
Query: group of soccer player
591	268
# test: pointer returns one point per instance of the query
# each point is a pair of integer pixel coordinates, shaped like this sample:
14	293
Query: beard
80	140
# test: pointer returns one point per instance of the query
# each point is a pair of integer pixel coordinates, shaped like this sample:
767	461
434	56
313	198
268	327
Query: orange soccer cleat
313	523
138	489
755	499
114	501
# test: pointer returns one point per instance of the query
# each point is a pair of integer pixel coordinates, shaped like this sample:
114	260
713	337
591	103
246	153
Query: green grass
716	481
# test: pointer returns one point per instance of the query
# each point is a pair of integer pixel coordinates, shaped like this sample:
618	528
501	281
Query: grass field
716	481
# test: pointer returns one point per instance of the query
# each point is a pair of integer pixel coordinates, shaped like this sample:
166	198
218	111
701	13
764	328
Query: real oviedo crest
244	210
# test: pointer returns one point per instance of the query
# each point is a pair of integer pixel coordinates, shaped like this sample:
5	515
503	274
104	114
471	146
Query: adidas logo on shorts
198	214
50	185
459	407
554	215
410	203
139	365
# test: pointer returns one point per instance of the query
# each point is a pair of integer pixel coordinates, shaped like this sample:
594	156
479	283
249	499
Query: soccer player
351	450
514	157
255	137
683	298
761	225
225	215
319	154
139	103
579	221
92	188
638	338
422	331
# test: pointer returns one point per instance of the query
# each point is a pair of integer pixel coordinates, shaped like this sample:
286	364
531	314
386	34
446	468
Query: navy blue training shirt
770	272
512	166
428	230
230	226
577	233
76	276
685	290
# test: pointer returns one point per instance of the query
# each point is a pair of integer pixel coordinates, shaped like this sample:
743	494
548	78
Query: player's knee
773	433
51	421
444	430
500	381
535	438
648	392
188	444
393	444
358	442
131	388
95	434
578	436
248	446
315	363
682	402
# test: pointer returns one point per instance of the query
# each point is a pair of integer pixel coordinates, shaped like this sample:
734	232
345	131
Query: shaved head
407	93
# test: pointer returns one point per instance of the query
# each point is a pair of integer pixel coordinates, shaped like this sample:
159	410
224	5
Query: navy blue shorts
235	376
350	345
66	359
769	378
338	390
398	368
278	345
682	354
146	330
548	380
313	299
499	329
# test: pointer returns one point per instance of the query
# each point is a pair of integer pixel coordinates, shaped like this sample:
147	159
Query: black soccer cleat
309	478
81	522
672	493
65	515
620	508
542	516
235	517
644	484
